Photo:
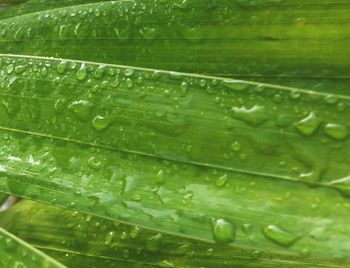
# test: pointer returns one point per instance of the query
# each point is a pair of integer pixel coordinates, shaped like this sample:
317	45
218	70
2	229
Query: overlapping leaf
85	241
16	253
297	44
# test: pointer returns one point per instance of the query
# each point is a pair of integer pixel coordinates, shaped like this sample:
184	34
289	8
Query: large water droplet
336	131
308	125
254	116
100	122
224	232
279	235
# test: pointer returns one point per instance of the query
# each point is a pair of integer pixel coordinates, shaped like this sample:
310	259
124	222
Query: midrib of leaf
268	48
15	252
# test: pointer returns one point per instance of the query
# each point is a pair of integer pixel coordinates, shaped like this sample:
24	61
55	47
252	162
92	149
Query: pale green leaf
79	240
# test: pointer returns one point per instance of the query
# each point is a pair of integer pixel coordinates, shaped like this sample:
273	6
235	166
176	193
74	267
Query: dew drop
129	83
100	71
221	181
82	72
224	232
94	163
236	146
62	67
308	125
336	131
279	235
100	122
235	84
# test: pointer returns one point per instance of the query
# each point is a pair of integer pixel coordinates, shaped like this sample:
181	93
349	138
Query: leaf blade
15	252
246	44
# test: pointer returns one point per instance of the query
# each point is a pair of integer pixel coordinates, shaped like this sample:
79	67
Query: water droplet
100	71
279	235
59	105
254	116
209	252
308	125
81	109
109	238
62	67
202	83
236	146
235	84
224	232
295	94
134	233
331	99
94	163
160	177
129	72
10	68
153	243
82	72
100	122
336	131
115	83
220	182
20	69
129	83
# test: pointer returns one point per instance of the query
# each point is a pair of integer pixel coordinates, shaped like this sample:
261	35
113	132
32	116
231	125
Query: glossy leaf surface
84	241
241	39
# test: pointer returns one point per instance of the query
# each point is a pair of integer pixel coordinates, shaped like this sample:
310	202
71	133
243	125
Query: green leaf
17	253
234	125
195	156
32	6
303	45
79	240
3	197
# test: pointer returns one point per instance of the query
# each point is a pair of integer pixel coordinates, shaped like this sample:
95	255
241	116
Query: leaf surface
17	253
240	39
135	145
84	241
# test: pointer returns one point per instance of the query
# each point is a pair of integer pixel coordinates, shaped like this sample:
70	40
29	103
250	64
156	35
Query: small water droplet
235	84
100	71
134	233
236	146
94	163
221	181
82	72
129	83
62	67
